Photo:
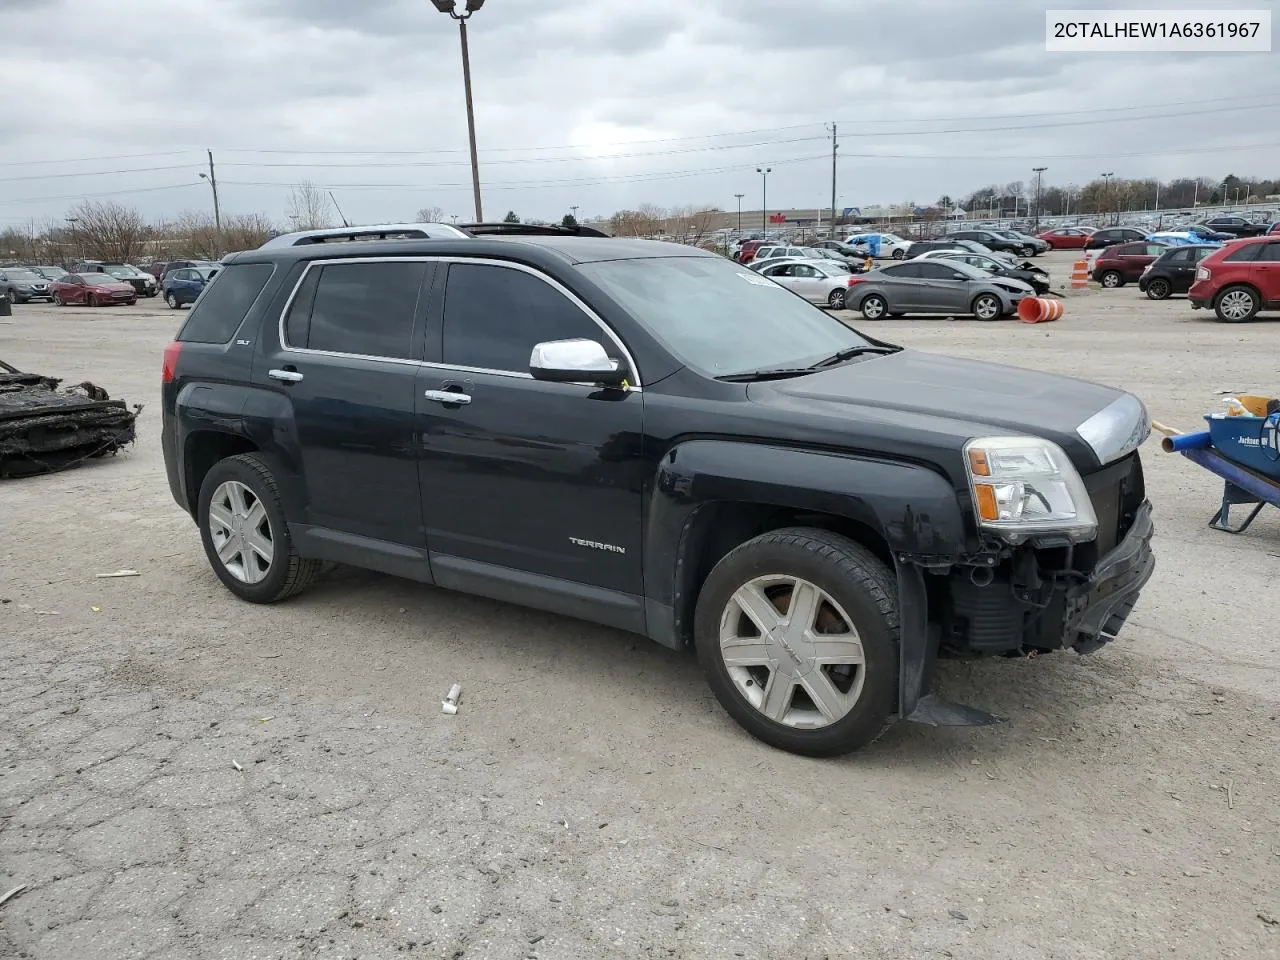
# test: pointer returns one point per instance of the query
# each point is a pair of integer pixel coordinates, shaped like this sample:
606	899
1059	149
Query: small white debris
236	764
118	573
449	704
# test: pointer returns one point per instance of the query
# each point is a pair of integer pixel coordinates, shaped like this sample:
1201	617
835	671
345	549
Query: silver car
818	281
935	286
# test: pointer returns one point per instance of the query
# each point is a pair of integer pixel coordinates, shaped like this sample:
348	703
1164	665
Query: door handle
288	376
447	396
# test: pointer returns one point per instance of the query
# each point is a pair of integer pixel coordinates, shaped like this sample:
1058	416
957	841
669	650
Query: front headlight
1023	486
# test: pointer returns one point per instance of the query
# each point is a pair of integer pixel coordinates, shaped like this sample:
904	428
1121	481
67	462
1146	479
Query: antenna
338	208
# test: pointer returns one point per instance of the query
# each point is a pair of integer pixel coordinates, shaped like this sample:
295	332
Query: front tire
836	300
1237	305
1158	290
1111	279
987	306
1029	252
797	634
57	300
245	533
874	307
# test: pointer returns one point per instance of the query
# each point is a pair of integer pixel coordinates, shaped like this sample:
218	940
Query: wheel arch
203	449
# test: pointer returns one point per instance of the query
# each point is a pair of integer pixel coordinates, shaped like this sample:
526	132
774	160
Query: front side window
718	318
494	316
365	308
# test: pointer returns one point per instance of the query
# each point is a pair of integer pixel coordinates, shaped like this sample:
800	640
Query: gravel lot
590	799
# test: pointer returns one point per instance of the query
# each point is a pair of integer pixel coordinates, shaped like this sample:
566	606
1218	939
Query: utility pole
213	182
739	196
1036	216
764	201
470	7
834	147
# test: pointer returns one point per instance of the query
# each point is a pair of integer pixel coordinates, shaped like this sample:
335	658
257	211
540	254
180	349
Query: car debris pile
44	429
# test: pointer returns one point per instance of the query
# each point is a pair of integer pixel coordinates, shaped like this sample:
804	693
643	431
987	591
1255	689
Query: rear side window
218	313
1269	252
494	316
361	308
1245	254
902	271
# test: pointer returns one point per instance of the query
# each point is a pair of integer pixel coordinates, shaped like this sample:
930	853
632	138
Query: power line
90	173
108	193
118	156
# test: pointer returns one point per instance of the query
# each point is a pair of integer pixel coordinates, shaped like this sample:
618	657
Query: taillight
170	368
854	281
1202	273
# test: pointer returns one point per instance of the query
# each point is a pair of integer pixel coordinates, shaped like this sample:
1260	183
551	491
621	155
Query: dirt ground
187	776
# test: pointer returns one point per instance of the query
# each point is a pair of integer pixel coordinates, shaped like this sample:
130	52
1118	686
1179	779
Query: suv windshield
24	276
719	318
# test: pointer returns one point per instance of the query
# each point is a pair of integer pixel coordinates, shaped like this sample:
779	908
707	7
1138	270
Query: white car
823	282
880	244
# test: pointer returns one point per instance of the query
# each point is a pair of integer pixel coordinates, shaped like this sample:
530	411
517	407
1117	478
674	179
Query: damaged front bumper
1098	608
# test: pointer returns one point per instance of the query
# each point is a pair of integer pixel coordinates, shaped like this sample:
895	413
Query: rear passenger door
532	491
344	359
1267	271
903	286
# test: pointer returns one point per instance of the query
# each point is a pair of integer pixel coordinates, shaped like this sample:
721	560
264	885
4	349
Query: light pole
212	179
1036	216
739	197
574	209
764	200
1106	186
470	7
75	241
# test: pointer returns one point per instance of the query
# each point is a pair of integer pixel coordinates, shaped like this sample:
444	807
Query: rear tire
1237	304
172	301
286	573
1029	252
874	307
1111	279
1158	290
854	590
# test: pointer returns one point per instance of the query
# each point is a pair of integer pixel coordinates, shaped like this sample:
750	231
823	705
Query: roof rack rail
528	230
376	231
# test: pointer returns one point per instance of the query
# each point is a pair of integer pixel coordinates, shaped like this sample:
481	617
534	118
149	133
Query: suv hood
942	402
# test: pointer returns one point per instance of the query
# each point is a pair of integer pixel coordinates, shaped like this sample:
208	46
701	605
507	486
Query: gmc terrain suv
657	439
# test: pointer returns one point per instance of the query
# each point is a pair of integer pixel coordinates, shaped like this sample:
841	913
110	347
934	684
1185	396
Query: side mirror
575	361
959	276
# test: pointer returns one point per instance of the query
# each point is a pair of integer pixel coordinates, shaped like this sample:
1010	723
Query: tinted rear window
1244	254
222	306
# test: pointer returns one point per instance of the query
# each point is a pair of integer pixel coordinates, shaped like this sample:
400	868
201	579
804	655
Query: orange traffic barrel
1039	310
1079	275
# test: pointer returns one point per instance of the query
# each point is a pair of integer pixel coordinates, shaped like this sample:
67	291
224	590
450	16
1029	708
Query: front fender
911	507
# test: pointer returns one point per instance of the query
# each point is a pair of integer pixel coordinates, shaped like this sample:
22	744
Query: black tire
898	254
288	573
878	304
1111	279
987	298
1029	252
1159	289
172	301
1230	295
57	301
857	580
836	300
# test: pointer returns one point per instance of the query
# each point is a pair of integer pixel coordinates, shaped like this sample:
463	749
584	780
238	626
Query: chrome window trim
634	385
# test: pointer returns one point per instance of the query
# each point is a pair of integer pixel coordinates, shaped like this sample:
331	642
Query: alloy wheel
986	308
1236	305
241	532
792	651
1158	289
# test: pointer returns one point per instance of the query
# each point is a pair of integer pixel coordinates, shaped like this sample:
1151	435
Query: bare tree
245	231
430	215
109	231
195	235
310	207
691	224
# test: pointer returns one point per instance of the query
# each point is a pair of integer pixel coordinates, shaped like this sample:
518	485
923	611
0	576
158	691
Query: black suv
1109	237
994	241
652	437
1174	271
1236	226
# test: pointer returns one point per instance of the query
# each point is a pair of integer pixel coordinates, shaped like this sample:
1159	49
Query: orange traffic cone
1039	310
1079	275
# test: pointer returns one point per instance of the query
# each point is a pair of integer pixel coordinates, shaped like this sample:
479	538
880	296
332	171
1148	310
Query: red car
1275	230
1124	262
1239	279
748	251
1066	238
92	289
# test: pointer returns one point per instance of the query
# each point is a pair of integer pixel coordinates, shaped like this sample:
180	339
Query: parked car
993	241
1274	230
748	250
48	272
1031	246
1239	279
775	252
141	281
843	251
680	449
1066	238
934	286
1124	262
880	244
21	285
854	264
181	265
1201	232
91	289
1033	276
1235	226
1109	236
183	285
818	281
921	247
1174	270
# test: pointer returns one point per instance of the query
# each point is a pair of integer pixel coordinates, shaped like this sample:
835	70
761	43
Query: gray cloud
621	100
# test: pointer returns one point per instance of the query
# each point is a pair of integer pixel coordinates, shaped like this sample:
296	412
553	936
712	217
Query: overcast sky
603	104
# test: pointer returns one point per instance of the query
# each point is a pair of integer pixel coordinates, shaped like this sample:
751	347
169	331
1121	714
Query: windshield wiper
766	373
850	352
